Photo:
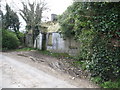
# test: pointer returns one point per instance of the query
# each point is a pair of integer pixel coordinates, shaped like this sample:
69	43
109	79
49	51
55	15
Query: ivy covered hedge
96	26
105	60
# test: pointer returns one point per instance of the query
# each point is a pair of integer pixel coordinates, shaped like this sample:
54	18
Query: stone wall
29	40
58	44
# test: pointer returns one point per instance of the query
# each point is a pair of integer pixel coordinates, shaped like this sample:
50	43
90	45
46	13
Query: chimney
53	17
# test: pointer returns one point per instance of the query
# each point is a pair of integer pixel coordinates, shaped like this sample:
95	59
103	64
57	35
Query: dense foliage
97	27
10	20
9	40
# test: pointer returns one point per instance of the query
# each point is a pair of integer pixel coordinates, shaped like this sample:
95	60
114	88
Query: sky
55	6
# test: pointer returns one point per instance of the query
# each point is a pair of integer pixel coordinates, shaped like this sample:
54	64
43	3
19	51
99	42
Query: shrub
9	40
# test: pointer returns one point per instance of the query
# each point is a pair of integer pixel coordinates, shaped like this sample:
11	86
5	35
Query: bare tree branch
32	12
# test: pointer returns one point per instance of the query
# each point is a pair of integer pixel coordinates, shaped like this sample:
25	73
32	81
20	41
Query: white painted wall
59	44
38	41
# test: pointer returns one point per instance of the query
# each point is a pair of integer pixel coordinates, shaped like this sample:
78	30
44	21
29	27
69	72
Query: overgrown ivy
96	26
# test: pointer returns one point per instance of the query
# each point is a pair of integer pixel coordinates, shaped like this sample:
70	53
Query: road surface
17	73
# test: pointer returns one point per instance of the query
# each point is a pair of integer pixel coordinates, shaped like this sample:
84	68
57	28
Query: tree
32	14
11	21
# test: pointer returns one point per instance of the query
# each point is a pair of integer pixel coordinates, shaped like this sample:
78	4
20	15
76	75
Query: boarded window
50	39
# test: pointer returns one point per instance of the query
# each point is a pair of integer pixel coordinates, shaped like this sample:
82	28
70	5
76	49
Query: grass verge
26	49
54	54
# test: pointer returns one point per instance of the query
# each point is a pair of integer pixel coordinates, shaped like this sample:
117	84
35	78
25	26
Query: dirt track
33	70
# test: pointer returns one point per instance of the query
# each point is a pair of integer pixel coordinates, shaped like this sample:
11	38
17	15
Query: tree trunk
33	38
44	41
36	44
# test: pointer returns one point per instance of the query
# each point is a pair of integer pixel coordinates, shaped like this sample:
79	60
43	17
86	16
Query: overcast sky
55	6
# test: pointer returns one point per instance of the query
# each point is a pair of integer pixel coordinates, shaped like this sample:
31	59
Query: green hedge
9	40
